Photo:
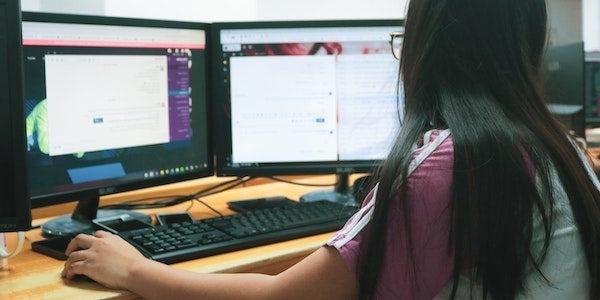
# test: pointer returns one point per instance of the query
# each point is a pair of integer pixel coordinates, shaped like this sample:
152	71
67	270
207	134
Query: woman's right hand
105	258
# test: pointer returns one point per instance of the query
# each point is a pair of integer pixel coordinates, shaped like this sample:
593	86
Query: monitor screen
113	103
305	97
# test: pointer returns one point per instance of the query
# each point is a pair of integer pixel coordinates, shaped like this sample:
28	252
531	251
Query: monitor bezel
20	218
219	98
86	193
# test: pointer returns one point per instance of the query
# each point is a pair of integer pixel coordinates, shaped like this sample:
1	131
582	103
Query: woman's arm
111	261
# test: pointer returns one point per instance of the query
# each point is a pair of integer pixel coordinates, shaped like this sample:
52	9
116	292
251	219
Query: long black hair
474	67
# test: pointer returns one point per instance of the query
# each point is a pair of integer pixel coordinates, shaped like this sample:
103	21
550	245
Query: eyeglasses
396	40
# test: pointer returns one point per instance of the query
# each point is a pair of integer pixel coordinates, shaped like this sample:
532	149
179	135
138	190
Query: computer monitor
15	214
592	89
305	97
564	85
112	105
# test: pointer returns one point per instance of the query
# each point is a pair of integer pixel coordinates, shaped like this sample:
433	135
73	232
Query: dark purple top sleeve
428	196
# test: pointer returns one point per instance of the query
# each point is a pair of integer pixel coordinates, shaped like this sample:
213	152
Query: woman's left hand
105	258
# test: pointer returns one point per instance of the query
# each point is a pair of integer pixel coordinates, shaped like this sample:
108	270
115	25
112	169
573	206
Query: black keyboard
188	240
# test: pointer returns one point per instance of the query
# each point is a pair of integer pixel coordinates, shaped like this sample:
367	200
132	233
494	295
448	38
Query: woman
494	201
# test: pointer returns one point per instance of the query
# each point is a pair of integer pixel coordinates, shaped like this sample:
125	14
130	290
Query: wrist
135	272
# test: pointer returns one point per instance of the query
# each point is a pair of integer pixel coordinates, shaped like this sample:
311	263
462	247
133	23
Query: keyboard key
183	246
205	241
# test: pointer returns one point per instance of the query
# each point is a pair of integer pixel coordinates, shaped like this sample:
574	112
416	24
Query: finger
102	234
79	255
63	273
75	256
81	241
76	268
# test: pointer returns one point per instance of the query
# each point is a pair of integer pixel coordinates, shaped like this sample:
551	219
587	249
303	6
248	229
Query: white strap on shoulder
424	154
363	216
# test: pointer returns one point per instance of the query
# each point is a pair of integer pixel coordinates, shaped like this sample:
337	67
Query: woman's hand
104	257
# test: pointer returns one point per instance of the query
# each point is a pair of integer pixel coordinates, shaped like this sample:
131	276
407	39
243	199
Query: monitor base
66	225
342	193
329	195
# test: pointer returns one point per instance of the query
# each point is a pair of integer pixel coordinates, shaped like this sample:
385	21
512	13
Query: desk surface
33	276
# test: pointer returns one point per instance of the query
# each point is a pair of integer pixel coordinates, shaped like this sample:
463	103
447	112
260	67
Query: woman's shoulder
429	185
435	153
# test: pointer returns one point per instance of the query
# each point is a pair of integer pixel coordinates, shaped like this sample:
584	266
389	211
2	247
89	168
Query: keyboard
189	240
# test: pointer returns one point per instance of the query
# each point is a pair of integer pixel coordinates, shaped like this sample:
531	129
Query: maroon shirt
429	190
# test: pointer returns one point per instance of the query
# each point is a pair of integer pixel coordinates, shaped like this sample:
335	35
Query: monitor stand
80	221
342	193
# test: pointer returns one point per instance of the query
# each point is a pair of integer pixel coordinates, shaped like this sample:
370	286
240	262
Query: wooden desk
35	276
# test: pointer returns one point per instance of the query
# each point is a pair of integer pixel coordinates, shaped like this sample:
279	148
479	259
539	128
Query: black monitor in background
305	97
571	116
592	89
111	105
15	214
564	85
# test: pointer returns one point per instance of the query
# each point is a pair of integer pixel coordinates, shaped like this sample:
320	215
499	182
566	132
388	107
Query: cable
181	199
135	205
209	207
158	204
164	202
236	182
218	188
242	181
151	198
299	183
220	191
190	207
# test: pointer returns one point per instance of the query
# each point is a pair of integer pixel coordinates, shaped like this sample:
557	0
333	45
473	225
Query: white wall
565	15
85	7
227	10
565	20
330	9
591	25
31	5
234	10
188	10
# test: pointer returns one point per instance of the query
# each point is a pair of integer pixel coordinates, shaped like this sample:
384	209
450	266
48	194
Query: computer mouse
82	278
